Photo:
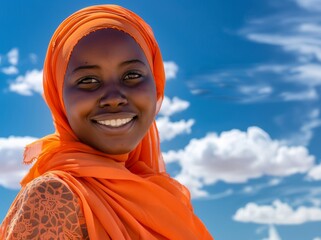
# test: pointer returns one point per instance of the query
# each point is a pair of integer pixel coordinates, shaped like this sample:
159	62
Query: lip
109	130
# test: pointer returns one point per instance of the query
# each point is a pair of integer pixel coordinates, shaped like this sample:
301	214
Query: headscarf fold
127	196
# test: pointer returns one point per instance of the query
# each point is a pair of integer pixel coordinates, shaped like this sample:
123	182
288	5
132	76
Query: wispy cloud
311	5
304	133
253	189
33	58
13	56
11	70
308	94
297	35
224	194
278	213
10	61
11	153
273	234
236	157
28	84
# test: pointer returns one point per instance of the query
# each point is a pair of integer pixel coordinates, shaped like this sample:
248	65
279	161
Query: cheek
77	107
147	100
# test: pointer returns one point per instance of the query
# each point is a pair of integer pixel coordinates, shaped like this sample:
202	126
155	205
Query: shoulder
49	187
47	208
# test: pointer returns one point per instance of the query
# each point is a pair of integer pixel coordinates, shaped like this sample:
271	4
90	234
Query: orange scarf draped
126	196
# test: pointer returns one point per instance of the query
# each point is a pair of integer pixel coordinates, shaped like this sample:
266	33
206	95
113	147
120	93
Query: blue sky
240	124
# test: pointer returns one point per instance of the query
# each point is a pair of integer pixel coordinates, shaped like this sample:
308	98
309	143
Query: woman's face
109	91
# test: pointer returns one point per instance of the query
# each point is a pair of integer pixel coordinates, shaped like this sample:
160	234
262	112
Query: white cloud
305	133
255	93
236	157
224	194
307	74
28	84
275	68
168	130
13	56
10	70
171	70
299	44
315	173
310	5
255	89
170	107
251	189
273	234
309	94
309	28
297	34
317	238
278	213
11	156
33	58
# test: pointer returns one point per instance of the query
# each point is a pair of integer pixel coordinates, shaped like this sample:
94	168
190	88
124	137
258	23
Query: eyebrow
132	61
84	67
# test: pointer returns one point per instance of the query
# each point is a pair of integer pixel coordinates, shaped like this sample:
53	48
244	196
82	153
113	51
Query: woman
101	174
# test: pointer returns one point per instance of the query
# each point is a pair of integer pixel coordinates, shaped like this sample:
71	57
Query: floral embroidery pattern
45	209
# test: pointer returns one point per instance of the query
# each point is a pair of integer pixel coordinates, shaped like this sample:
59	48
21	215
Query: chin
116	151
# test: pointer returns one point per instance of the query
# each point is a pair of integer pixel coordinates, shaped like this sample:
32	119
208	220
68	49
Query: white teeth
115	122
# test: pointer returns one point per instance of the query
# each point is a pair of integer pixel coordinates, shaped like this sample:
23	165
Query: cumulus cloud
13	56
11	152
28	84
171	70
236	157
170	107
278	213
168	130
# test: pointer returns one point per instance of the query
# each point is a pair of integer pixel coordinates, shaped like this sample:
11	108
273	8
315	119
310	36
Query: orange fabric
126	196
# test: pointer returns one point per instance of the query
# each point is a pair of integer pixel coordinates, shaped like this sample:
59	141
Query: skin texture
108	78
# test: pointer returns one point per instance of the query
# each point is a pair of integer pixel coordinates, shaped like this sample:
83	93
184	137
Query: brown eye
132	76
88	83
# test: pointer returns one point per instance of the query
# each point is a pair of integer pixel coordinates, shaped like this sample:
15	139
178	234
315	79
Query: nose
113	99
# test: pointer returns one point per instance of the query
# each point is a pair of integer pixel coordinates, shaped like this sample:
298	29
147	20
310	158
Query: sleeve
45	209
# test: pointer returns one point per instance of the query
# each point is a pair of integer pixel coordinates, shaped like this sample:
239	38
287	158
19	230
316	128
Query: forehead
108	42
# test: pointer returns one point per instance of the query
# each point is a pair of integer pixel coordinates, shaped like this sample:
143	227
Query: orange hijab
126	196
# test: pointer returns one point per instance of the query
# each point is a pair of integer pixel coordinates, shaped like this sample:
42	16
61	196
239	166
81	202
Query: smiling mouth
115	123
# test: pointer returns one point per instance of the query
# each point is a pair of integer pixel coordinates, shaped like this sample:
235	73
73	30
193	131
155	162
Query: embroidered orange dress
74	191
